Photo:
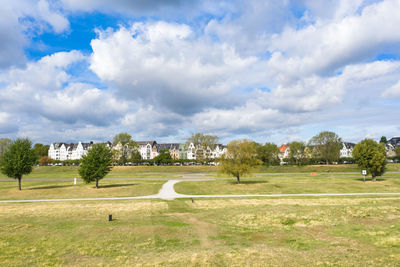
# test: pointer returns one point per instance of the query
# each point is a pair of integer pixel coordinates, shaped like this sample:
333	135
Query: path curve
168	192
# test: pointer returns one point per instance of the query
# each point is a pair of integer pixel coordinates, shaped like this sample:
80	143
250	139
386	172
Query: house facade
347	150
64	151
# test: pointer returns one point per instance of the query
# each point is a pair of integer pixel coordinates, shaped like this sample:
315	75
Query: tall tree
397	151
124	153
163	157
326	145
18	159
96	164
240	159
383	140
296	152
4	142
40	150
371	156
268	153
201	142
124	138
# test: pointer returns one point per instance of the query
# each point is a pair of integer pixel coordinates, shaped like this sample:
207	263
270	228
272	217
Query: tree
201	142
296	152
4	142
370	156
240	159
397	151
163	157
326	145
268	153
126	151
18	159
383	140
124	138
40	150
96	164
45	160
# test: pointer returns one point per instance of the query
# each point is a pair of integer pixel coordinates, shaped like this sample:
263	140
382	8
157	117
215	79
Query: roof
348	145
170	146
283	148
395	141
144	143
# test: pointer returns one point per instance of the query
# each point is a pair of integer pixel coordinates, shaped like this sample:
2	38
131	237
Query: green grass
178	171
293	184
63	189
213	232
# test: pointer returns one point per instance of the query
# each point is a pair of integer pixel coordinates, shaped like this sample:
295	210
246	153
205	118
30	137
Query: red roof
283	148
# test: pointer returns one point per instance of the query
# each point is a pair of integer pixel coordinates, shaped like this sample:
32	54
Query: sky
269	71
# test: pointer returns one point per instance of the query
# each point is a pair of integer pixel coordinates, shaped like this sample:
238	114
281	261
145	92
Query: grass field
178	171
292	184
229	232
62	189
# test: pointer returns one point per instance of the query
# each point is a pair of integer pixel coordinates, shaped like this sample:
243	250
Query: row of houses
147	149
151	149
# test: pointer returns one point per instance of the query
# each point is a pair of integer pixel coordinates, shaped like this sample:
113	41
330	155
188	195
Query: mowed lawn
207	232
293	184
66	189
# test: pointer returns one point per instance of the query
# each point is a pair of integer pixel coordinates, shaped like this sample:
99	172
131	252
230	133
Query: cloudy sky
277	71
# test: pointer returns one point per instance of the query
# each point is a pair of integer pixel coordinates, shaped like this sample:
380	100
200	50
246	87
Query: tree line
18	157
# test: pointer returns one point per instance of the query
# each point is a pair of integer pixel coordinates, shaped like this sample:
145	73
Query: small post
74	180
110	217
364	172
192	200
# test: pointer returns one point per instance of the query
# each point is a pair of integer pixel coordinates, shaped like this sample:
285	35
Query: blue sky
270	71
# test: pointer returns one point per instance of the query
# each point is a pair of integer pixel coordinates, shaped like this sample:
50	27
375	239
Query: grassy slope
59	189
230	232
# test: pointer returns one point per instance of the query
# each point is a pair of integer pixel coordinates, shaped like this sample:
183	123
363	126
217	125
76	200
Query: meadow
177	171
290	231
206	232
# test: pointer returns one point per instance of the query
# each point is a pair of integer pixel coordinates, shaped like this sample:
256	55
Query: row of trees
18	157
323	147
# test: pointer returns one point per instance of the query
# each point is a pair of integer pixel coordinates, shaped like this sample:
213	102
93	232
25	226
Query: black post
110	217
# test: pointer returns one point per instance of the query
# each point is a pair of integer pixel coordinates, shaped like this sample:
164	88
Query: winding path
168	192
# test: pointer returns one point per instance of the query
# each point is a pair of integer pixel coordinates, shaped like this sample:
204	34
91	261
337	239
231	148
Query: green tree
202	142
296	152
18	159
383	140
124	138
96	164
370	156
135	157
397	151
240	159
326	145
268	153
163	157
126	151
4	142
40	150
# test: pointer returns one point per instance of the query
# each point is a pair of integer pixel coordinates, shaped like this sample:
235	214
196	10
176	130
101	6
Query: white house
347	150
148	149
63	151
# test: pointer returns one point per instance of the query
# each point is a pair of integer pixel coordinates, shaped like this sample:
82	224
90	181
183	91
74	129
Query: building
347	150
283	152
64	151
148	149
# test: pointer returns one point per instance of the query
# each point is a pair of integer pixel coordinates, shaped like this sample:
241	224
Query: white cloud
20	20
7	123
45	88
326	46
394	90
166	64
